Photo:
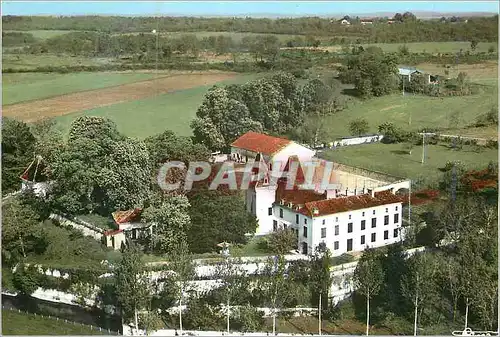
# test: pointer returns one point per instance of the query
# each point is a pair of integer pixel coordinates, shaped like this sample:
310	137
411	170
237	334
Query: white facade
258	202
342	232
358	140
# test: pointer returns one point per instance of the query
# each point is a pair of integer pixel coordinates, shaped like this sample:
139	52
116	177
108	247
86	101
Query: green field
393	159
142	118
15	323
425	111
41	34
20	87
434	47
29	61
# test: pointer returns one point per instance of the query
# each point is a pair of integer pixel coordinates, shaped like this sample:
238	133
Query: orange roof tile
259	142
345	204
296	196
126	216
113	232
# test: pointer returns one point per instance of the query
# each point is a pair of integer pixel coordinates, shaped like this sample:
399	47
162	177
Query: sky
238	8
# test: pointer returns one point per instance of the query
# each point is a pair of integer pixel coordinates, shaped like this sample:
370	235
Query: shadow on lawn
350	92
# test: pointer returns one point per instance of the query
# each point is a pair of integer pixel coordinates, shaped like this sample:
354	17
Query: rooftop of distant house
259	142
405	70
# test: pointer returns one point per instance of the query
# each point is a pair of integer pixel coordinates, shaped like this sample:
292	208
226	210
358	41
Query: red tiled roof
345	204
126	216
319	172
296	196
299	176
259	142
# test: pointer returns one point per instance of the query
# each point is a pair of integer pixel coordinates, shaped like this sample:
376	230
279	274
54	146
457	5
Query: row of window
362	241
374	220
363	225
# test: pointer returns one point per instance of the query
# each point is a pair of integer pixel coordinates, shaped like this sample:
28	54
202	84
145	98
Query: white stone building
272	149
356	140
340	214
344	224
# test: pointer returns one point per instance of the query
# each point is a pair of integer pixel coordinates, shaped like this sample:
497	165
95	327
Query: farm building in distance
356	140
407	72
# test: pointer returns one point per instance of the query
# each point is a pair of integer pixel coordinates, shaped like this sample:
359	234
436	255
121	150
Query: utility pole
157	33
423	147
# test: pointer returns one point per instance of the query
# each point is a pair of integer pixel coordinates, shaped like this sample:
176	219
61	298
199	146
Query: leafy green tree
404	50
169	214
418	84
368	278
233	280
49	141
167	146
18	151
249	319
477	248
223	44
419	284
273	285
132	283
183	271
358	127
394	266
100	170
150	321
283	241
473	45
26	279
372	72
217	217
19	223
321	279
315	93
201	316
390	132
221	119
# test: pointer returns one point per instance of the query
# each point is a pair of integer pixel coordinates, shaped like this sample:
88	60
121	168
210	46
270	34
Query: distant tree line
406	29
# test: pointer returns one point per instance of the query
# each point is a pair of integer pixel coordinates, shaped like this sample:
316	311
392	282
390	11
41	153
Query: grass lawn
142	118
42	34
309	324
98	221
392	159
434	47
424	111
15	323
252	248
29	61
20	87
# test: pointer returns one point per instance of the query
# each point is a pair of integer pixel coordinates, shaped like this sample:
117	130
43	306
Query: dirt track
66	104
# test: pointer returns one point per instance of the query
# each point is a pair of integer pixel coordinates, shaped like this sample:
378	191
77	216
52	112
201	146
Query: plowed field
66	104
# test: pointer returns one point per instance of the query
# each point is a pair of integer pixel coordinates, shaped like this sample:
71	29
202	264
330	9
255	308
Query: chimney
331	194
